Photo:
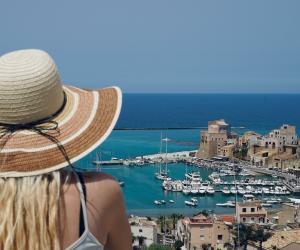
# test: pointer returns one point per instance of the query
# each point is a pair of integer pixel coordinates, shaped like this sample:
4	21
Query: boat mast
166	163
98	160
236	210
160	151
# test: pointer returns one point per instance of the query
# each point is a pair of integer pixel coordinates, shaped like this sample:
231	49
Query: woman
44	129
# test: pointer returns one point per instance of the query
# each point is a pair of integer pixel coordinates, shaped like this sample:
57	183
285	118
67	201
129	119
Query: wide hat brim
85	121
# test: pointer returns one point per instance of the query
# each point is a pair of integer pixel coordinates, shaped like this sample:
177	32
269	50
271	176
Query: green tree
174	218
243	235
141	240
133	238
261	235
178	244
159	247
228	246
204	246
162	222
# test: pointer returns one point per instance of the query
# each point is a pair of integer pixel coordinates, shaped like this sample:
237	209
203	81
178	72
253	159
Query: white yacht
191	203
186	191
202	189
225	190
156	202
233	190
226	204
210	190
193	176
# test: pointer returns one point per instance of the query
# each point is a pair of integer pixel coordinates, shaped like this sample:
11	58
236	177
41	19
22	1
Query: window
252	219
252	209
202	237
140	230
244	219
220	237
244	210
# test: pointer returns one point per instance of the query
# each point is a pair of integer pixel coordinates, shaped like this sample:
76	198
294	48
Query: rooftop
282	238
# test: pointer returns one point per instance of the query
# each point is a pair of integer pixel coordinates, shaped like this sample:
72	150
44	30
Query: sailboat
163	174
97	162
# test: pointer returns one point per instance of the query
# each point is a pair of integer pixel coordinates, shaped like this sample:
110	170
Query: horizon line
215	93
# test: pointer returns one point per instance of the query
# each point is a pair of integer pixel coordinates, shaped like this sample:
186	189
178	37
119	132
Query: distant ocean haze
259	112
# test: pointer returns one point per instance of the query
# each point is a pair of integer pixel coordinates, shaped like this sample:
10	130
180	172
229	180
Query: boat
273	201
98	161
241	191
248	197
210	190
233	190
186	191
162	174
202	190
171	201
226	204
121	183
191	203
194	199
156	202
163	201
194	191
225	190
266	204
193	176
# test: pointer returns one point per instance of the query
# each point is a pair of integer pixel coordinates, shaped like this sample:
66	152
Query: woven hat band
30	87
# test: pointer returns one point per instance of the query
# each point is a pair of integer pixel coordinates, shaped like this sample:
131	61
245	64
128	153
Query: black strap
81	218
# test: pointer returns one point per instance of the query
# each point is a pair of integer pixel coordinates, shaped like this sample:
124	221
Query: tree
162	222
133	238
178	244
204	246
141	240
228	246
261	235
243	235
159	247
174	218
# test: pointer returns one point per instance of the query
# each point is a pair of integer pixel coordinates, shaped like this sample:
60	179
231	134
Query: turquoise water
141	188
244	112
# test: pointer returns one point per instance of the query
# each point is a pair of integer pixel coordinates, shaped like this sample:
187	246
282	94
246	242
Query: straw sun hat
44	125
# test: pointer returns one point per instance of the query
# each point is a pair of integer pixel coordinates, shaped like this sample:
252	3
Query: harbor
165	174
191	184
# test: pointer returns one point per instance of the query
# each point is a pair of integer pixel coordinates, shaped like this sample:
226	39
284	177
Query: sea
181	117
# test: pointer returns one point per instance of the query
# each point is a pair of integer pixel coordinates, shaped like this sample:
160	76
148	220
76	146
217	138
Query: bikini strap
83	221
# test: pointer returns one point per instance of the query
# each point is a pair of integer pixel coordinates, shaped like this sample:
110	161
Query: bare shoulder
104	186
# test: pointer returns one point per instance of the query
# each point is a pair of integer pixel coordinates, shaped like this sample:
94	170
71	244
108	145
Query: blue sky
160	46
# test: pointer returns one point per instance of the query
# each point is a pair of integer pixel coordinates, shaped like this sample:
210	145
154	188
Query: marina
186	181
142	187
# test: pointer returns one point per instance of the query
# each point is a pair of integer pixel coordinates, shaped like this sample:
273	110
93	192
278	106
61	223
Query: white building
143	230
278	138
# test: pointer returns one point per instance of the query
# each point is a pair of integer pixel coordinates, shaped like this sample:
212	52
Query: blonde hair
29	212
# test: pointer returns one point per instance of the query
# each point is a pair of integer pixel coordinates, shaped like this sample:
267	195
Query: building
249	138
227	150
199	231
251	212
287	214
214	138
143	230
261	157
278	138
274	150
281	239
